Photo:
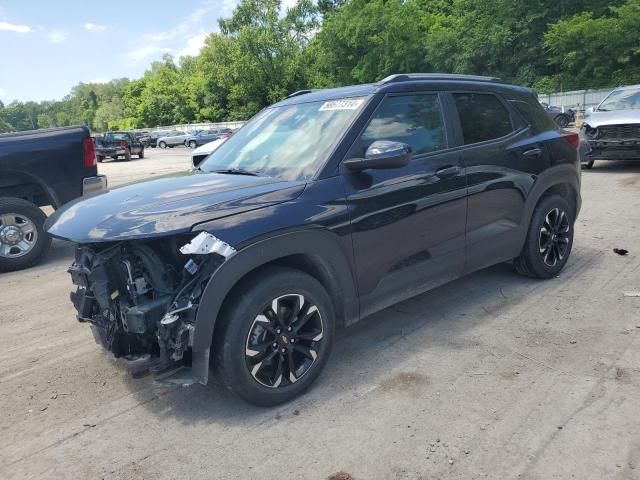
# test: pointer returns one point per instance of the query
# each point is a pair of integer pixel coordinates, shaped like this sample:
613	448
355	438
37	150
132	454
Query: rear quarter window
482	116
534	115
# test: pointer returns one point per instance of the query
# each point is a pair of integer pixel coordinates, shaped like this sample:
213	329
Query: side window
412	119
483	117
534	115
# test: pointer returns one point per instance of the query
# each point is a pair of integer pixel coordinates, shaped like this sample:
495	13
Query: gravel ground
492	376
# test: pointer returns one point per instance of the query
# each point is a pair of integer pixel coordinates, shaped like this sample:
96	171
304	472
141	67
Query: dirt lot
493	376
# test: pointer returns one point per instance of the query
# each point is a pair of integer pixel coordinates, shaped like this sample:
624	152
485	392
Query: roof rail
406	77
299	92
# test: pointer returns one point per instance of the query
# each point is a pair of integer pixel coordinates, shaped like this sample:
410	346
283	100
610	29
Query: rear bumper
93	185
110	152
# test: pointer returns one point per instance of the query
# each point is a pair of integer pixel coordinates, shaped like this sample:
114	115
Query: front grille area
619	132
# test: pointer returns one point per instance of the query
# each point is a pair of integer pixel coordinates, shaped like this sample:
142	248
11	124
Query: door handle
533	152
449	171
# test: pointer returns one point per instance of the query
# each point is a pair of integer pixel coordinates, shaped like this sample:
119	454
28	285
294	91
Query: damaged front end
141	298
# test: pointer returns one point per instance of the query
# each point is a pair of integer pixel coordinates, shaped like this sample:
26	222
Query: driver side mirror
381	154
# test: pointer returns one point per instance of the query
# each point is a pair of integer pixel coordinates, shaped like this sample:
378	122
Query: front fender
316	243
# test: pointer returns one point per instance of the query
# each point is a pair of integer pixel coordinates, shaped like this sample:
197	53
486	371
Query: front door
408	223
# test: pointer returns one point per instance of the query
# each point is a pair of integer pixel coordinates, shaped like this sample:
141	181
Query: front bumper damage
141	299
610	142
612	150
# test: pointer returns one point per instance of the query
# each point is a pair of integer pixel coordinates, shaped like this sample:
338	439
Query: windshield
109	137
290	142
626	99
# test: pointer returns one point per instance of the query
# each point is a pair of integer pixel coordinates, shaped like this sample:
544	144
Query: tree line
262	53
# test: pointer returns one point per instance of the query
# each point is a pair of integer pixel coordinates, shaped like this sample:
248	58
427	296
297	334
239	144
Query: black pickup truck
118	144
39	168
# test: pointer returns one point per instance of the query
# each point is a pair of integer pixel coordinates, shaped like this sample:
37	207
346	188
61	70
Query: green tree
596	51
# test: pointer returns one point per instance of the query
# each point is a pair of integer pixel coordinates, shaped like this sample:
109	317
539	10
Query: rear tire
588	165
141	154
127	155
99	158
16	215
549	239
291	348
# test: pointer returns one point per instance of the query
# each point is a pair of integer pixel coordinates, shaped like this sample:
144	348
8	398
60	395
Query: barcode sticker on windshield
351	104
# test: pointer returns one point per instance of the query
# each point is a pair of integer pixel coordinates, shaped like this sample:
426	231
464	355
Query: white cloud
100	80
194	44
94	27
141	53
186	37
2	92
57	36
12	27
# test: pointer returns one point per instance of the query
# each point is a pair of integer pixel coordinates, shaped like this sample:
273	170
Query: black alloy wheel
554	237
284	340
549	239
274	336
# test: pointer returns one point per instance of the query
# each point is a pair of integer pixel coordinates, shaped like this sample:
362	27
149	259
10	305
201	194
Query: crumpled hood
166	205
615	117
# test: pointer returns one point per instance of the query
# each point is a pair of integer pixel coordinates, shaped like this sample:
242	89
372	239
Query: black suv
322	209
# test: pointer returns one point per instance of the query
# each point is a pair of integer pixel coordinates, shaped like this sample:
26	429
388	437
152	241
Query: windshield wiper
237	171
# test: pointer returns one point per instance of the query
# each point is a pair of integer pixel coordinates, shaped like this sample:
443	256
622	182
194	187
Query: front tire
127	155
275	336
588	165
562	121
141	154
23	240
549	239
193	144
162	145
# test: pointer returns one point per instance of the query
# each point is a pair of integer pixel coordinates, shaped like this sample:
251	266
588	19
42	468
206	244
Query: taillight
572	139
123	145
89	159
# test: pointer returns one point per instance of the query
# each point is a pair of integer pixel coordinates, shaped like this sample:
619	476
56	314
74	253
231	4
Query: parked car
38	168
118	144
153	137
323	209
200	153
611	131
562	117
173	138
143	137
206	136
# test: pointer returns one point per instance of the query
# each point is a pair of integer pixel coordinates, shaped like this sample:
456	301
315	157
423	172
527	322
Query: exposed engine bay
141	297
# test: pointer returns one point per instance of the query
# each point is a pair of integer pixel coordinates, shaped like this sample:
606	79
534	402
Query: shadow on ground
364	354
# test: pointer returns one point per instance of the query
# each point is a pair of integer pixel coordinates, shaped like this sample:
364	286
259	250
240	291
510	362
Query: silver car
611	131
173	138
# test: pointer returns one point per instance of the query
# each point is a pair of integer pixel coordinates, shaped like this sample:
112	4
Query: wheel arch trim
317	244
555	176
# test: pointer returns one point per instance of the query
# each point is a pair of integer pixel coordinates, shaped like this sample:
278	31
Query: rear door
502	158
407	223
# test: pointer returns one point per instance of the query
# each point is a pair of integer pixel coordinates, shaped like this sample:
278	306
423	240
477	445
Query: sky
48	46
